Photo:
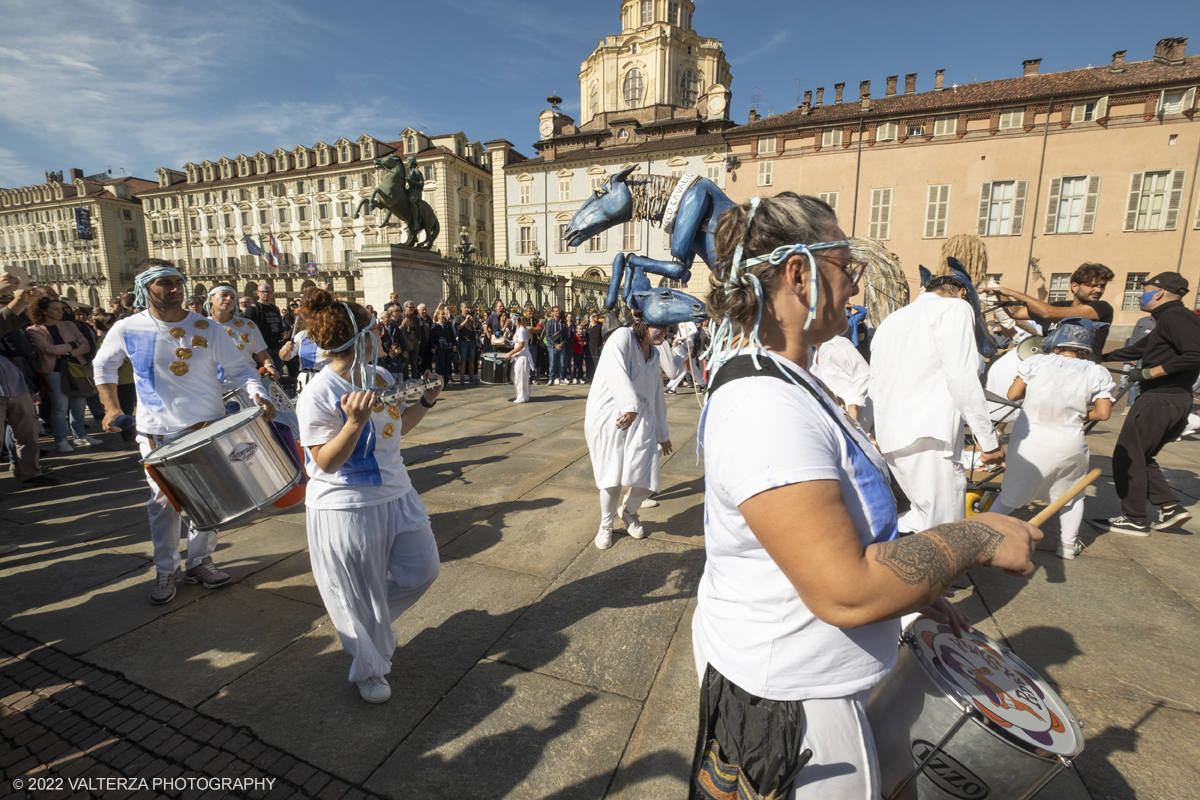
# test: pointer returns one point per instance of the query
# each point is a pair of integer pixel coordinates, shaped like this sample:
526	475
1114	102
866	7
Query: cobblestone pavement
536	666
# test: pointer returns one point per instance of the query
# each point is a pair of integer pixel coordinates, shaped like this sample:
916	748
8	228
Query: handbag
77	378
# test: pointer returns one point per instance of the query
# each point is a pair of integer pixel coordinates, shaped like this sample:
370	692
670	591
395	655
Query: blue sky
136	84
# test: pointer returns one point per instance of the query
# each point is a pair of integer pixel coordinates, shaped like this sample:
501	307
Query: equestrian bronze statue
399	193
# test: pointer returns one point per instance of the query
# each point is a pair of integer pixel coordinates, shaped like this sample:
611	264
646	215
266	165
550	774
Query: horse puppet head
663	307
983	340
609	205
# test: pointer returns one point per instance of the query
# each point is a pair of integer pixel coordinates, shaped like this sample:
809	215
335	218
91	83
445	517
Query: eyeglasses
854	269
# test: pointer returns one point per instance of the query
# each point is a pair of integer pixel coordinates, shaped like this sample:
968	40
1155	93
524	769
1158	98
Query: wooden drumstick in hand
1052	509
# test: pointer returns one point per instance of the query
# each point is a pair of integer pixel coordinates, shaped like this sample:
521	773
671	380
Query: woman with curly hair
372	548
60	343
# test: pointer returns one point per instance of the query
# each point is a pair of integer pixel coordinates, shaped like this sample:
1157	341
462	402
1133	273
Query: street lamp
536	262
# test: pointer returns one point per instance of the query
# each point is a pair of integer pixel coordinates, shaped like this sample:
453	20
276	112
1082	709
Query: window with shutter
525	240
765	169
937	211
886	132
1052	207
1060	287
629	236
945	125
1154	200
1135	283
985	200
1070	205
564	189
1170	102
1011	118
523	197
881	214
766	145
1018	220
1174	199
830	199
831	137
1083	112
1002	211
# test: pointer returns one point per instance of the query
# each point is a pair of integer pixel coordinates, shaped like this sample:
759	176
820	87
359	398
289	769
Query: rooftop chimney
76	174
1170	51
820	95
910	83
1118	62
837	89
891	85
939	79
754	115
864	90
1031	66
808	98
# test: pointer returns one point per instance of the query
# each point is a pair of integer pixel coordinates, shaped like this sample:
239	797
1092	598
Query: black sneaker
1120	524
1171	519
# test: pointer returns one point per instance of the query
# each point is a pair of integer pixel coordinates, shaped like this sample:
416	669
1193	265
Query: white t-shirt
375	472
760	433
247	338
1060	389
169	402
311	356
522	335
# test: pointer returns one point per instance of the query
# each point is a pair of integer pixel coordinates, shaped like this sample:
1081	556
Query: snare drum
237	400
965	719
226	470
494	369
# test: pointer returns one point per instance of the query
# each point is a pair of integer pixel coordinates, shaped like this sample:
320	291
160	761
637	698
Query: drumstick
1052	509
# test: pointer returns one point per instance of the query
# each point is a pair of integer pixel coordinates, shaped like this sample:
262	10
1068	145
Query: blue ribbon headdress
364	353
214	290
141	283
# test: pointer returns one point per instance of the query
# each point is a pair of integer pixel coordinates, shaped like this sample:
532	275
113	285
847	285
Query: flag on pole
275	250
262	249
251	247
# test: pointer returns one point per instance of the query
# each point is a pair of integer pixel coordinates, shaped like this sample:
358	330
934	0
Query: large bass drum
965	719
226	470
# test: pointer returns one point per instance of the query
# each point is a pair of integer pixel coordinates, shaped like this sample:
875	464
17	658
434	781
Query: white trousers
684	371
611	497
520	378
931	473
371	564
166	522
1069	518
844	765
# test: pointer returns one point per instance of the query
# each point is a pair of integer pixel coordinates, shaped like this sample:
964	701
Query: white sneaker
633	525
1069	550
603	539
64	447
375	690
649	502
93	440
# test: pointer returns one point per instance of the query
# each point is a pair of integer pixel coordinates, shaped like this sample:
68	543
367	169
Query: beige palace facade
1052	170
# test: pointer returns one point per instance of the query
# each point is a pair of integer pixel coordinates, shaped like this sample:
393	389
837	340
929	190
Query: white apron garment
1048	453
626	381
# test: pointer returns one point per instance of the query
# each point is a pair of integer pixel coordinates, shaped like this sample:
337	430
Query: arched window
687	89
345	154
595	100
633	88
647	11
410	146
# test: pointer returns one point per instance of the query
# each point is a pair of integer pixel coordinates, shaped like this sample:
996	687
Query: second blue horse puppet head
686	207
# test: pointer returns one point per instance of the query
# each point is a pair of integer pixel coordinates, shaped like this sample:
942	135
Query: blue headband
214	290
361	360
142	281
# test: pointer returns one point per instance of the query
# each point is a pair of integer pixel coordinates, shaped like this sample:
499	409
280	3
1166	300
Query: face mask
1147	297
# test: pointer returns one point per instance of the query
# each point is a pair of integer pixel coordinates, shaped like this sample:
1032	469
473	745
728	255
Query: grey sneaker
1069	550
164	588
207	575
633	525
9	549
375	690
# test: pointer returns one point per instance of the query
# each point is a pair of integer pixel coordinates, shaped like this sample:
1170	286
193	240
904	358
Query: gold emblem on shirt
375	409
201	324
183	353
177	333
379	381
179	368
246	338
388	430
241	347
237	323
394	412
199	341
251	324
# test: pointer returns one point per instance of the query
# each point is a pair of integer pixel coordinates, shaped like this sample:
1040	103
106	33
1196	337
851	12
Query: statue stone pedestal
412	274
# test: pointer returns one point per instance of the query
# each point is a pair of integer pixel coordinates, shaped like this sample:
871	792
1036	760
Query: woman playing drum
372	548
805	579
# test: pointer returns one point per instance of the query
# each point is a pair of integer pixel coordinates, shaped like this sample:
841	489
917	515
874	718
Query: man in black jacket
1170	358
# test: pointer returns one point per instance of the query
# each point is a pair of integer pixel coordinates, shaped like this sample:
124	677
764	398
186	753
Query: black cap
1172	282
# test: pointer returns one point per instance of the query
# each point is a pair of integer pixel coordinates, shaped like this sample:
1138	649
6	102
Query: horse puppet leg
614	283
653	266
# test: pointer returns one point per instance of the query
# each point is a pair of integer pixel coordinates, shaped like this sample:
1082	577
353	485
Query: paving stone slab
658	759
255	547
1135	750
609	617
504	733
101	614
679	516
579	475
1170	557
440	639
452	515
33	580
190	654
1107	626
291	578
541	533
505	480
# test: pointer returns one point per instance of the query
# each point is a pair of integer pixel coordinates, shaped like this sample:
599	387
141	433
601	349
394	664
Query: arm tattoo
938	556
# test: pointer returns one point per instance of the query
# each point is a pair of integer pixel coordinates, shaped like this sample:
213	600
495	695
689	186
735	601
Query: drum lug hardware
1066	762
907	638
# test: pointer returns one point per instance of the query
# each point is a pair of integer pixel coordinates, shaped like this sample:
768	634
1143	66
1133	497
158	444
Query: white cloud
138	85
765	48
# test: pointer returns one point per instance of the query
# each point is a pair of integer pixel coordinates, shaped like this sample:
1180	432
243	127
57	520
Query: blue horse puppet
687	208
983	340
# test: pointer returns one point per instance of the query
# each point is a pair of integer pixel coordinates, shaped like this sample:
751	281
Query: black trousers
1156	419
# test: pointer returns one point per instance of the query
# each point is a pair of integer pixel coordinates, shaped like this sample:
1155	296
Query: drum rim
956	693
250	413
